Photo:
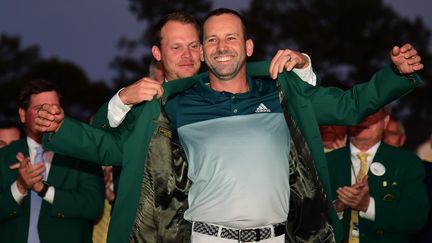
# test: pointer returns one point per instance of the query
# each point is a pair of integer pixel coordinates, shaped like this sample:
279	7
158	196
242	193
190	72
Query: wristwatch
44	189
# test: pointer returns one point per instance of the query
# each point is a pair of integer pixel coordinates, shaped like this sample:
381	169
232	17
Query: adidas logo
262	108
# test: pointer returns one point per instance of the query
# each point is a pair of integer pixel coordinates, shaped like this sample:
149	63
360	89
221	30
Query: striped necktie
35	204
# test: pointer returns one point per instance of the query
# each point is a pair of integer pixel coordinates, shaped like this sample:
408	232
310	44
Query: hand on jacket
142	90
287	59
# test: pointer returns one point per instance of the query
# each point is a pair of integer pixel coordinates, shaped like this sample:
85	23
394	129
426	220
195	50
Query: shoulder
338	152
9	152
400	157
399	152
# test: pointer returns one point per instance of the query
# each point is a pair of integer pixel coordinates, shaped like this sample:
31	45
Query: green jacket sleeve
334	106
80	140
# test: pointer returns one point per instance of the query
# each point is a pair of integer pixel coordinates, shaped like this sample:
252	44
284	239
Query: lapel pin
377	168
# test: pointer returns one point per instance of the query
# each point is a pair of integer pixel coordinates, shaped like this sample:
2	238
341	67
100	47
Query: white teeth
223	58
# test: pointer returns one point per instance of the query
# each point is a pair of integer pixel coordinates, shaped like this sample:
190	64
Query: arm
80	140
120	104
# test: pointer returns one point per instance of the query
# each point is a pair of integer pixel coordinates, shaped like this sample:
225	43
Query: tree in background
19	64
348	41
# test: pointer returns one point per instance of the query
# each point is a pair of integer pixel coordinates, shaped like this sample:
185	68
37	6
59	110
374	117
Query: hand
339	143
142	90
356	196
339	205
28	174
108	181
49	118
287	59
406	59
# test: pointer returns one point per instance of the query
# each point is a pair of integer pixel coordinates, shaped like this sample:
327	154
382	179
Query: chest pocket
388	189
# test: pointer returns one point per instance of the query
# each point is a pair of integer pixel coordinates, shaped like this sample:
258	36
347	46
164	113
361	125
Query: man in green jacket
380	197
48	198
307	107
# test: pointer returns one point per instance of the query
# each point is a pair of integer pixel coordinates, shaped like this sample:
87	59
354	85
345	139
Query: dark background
91	48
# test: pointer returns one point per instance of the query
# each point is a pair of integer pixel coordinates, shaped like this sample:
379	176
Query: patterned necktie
100	229
354	223
35	204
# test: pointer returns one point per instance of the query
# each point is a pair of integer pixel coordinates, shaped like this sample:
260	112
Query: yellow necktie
100	229
354	223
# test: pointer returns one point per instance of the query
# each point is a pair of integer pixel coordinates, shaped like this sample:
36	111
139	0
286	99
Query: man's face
28	116
179	51
393	134
224	46
370	130
8	135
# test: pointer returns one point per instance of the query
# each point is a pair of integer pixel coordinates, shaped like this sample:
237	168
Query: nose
221	45
187	53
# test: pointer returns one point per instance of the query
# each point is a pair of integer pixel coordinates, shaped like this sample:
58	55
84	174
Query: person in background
9	132
394	133
45	197
380	191
333	137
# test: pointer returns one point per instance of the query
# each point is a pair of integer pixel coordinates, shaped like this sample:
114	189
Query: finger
414	60
273	64
160	92
42	122
417	67
31	181
20	156
291	64
45	115
285	59
406	47
37	170
15	166
23	161
395	51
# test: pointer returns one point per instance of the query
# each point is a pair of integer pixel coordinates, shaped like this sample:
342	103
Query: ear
402	140
201	53
249	47
156	53
386	120
22	115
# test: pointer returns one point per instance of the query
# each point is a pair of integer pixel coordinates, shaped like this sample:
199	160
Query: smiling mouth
224	58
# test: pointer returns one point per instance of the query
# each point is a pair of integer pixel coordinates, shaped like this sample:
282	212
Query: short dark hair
179	16
7	124
34	87
220	11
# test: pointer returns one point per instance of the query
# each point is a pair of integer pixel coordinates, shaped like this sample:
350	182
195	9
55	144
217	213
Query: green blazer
310	106
78	200
401	204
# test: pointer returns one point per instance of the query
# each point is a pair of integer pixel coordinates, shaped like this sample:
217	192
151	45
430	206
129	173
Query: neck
36	137
236	85
363	145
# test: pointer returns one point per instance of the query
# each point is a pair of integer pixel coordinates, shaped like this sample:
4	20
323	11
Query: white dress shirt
355	165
